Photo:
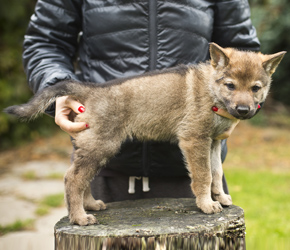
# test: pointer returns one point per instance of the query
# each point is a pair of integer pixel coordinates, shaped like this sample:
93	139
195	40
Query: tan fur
172	105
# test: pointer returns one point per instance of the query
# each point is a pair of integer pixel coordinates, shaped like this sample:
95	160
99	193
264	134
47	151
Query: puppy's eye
256	88
230	86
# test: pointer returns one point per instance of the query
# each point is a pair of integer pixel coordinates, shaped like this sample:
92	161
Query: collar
226	114
223	113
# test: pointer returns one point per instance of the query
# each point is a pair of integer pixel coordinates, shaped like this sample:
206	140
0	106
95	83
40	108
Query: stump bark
155	224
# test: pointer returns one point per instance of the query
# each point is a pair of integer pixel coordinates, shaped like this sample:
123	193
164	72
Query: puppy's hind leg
90	203
86	164
76	181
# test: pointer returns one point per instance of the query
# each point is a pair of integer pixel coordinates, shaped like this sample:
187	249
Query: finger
76	106
72	127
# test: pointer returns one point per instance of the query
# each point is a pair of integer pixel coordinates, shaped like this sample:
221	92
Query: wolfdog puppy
194	106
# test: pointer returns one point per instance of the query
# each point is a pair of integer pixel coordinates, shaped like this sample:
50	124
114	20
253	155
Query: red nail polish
214	108
81	109
87	126
259	106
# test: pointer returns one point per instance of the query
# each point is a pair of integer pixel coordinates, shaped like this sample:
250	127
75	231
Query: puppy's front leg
197	154
217	190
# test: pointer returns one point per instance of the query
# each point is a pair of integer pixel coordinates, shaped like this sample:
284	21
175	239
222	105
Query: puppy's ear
218	58
271	62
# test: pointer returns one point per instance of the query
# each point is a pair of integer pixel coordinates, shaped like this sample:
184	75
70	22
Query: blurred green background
14	18
257	166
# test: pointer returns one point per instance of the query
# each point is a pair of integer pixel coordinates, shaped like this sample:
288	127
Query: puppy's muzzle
243	110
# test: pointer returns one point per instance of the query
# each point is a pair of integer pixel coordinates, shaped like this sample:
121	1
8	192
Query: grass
54	200
257	169
18	225
42	210
265	197
31	175
55	176
48	202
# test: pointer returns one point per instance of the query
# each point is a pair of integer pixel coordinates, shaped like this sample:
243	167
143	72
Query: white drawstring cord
145	184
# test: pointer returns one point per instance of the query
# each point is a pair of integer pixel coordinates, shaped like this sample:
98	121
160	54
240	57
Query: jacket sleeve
233	26
50	43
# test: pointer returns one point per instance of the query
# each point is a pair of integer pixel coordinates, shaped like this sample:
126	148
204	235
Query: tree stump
155	224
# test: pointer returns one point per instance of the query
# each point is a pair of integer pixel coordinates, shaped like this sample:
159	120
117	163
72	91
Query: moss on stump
155	224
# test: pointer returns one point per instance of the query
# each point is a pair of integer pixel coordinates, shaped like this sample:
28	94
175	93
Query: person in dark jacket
96	41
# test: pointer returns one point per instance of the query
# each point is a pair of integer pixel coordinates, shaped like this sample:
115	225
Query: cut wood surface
155	224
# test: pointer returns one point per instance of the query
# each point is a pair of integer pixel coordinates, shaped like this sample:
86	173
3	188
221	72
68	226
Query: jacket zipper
152	66
152	34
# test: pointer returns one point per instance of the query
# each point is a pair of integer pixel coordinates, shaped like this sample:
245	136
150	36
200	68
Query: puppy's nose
243	110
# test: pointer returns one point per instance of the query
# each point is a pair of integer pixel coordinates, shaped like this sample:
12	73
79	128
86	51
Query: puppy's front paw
84	220
210	206
224	199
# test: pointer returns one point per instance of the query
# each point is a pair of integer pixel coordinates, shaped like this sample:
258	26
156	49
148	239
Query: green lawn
265	198
257	170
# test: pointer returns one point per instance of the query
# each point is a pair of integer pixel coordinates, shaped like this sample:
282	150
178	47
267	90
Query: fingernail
214	108
259	106
81	109
87	126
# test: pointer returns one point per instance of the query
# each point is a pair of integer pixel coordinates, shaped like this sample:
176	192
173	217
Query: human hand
66	109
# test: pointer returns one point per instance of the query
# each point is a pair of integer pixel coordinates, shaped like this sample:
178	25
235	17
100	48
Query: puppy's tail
42	100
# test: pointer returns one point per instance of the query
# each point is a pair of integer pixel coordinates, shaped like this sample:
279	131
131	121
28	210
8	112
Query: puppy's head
242	79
